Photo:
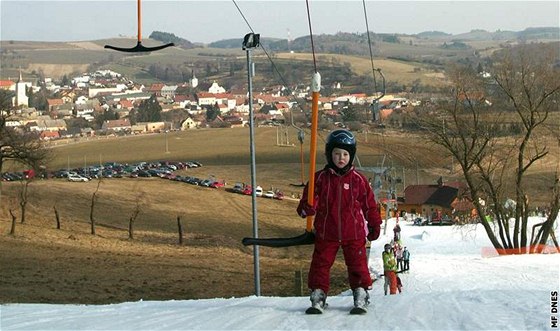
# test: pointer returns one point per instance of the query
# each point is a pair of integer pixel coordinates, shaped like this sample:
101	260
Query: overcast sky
207	21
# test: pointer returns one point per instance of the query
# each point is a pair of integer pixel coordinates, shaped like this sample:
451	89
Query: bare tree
477	125
16	144
14	218
57	216
24	197
135	213
92	207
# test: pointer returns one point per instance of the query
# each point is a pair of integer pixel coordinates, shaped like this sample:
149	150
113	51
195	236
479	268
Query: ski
358	311
315	310
306	238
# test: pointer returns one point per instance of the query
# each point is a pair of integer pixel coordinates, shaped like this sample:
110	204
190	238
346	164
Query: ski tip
358	311
313	311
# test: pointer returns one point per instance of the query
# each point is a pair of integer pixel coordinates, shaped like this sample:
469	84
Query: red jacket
343	205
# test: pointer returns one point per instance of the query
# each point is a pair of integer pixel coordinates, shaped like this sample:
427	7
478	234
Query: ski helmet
387	247
340	139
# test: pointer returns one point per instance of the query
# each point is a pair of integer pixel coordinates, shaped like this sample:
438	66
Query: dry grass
396	71
43	264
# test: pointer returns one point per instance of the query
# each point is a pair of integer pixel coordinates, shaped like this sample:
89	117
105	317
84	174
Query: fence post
298	284
180	230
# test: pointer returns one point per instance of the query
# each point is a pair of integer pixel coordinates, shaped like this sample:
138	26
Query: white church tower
194	80
21	98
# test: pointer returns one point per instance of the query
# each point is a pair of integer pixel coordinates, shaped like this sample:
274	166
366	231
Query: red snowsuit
343	205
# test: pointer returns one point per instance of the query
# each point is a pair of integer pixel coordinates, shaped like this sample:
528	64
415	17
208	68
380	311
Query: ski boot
318	302
361	301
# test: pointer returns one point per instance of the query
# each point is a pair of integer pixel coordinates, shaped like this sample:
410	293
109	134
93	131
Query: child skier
389	269
406	259
345	213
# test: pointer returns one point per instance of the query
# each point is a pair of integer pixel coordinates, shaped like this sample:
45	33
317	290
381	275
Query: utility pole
251	41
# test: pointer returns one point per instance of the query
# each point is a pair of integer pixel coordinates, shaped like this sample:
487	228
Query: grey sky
207	21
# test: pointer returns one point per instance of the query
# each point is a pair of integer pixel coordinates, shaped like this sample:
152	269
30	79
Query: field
70	265
398	71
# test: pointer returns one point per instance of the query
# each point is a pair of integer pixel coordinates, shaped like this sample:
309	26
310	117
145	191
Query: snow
453	284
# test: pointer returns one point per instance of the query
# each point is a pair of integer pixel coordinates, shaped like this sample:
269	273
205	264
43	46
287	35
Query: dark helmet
387	247
340	139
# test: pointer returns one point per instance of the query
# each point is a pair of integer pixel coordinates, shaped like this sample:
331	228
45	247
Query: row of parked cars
161	169
242	188
107	170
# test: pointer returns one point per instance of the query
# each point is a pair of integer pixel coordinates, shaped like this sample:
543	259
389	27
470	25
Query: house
62	111
86	111
152	126
125	104
183	101
48	135
149	127
52	103
45	123
7	85
132	96
138	128
227	99
429	200
81	100
31	112
215	88
156	89
116	125
92	92
223	108
187	124
168	91
234	121
204	98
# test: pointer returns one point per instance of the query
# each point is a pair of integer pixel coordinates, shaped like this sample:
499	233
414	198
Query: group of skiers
345	216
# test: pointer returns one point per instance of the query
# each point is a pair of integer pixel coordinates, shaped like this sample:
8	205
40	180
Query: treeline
166	37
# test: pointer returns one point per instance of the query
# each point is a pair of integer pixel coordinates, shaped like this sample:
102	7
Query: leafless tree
57	216
16	144
14	218
24	197
135	213
473	124
92	207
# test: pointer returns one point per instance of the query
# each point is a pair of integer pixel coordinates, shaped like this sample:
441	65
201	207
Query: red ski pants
391	282
324	255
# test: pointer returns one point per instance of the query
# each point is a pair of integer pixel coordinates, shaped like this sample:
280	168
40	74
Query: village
74	110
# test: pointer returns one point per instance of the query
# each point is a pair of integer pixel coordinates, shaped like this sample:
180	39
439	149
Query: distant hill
433	34
357	43
479	35
167	37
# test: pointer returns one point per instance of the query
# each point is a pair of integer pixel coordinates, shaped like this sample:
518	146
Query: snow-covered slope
452	284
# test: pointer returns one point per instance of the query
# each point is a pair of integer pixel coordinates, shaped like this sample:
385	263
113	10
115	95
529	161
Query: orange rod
312	156
301	160
139	22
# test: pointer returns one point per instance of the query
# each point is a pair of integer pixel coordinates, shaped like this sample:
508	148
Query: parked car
420	221
247	190
194	180
259	191
237	188
217	184
77	178
269	194
206	182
